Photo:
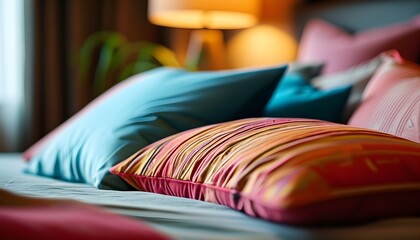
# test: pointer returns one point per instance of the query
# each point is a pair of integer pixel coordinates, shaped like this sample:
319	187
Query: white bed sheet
190	219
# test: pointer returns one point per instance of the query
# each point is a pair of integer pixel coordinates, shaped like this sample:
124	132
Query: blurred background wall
55	31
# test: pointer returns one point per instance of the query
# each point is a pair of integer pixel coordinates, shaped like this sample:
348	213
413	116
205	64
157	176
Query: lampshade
210	14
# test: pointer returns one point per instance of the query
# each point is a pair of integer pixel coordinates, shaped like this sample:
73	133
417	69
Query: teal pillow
142	110
296	97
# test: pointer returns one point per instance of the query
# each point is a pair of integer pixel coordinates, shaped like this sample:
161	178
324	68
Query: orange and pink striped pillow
297	171
391	101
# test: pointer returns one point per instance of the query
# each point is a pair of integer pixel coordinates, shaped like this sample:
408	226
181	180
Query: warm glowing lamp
206	47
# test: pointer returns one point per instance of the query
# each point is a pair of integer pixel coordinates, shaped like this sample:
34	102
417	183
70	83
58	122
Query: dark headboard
356	15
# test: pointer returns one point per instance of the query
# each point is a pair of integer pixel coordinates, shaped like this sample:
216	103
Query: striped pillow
296	171
391	101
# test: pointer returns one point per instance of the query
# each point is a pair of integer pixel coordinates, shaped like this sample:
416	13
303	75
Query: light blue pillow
144	109
296	97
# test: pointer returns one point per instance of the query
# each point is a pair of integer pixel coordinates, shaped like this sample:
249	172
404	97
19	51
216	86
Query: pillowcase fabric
296	171
340	50
144	109
357	76
391	101
296	97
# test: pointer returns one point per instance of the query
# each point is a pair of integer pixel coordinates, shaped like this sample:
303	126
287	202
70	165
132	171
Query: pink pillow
391	100
340	50
295	171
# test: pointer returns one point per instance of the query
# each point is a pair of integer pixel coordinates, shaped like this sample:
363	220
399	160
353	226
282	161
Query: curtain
55	92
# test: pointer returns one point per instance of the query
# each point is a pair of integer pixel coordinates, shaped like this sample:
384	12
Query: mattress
183	218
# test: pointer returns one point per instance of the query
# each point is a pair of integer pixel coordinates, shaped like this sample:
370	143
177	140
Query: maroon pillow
71	221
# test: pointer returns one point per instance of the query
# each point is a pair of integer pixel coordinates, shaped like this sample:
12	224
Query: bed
206	114
190	219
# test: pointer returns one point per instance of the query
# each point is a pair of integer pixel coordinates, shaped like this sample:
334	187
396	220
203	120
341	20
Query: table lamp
207	18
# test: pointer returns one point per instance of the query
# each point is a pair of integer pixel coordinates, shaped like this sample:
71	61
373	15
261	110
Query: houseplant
107	57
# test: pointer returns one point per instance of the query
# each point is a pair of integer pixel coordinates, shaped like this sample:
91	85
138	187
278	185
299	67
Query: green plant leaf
111	58
88	49
166	57
106	56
